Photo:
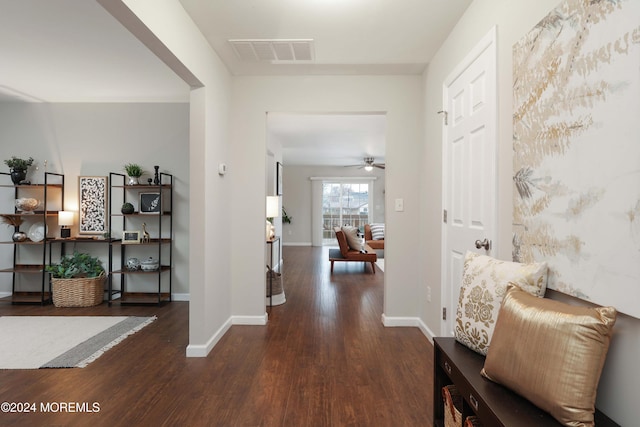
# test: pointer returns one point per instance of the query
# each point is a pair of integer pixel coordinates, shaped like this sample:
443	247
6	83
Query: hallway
324	359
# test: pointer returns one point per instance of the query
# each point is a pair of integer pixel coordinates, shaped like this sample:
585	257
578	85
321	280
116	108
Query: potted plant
134	172
286	219
77	281
18	168
127	208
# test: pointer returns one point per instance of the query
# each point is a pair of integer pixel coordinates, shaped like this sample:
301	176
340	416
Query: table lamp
273	210
65	219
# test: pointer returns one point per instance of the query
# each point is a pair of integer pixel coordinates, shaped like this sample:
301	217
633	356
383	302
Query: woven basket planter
452	406
472	421
276	282
78	292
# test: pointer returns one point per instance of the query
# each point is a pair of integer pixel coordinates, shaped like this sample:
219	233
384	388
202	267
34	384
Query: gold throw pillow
551	353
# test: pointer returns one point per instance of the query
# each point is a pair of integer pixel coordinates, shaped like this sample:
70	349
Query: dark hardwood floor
324	359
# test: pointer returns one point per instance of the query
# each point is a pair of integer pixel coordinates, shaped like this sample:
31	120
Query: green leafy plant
285	217
17	163
127	208
76	265
134	170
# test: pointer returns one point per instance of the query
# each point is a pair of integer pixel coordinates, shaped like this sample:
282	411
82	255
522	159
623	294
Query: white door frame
486	44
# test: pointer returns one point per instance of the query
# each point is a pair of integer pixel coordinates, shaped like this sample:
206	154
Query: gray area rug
88	351
32	342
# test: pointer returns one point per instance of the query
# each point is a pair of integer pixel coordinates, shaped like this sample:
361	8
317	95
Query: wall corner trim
202	350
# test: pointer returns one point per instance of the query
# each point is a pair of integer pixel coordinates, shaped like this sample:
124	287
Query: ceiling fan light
368	168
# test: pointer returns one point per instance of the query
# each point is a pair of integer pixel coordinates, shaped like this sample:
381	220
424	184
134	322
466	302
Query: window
344	203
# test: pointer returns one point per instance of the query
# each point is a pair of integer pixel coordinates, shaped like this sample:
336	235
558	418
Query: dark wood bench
492	403
345	253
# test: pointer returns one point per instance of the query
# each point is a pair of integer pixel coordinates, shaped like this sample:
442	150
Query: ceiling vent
273	50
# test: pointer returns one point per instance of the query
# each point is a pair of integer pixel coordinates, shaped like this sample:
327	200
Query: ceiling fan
368	164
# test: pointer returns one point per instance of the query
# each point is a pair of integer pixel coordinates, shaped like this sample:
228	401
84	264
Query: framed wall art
279	179
150	203
92	218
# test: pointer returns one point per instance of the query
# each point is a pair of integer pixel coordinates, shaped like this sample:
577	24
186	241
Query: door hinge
444	216
444	313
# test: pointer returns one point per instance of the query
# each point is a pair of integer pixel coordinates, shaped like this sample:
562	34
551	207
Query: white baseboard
250	320
394	322
413	322
196	350
426	331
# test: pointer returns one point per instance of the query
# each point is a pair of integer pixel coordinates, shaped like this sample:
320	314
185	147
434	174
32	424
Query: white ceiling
349	36
74	51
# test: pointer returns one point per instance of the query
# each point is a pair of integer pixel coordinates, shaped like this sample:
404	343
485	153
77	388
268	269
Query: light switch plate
399	205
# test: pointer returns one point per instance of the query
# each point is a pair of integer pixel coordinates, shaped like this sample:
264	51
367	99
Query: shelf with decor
142	215
35	210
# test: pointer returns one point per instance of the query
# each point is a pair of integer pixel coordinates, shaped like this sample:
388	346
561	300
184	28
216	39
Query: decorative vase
19	236
133	180
156	178
18	175
150	264
133	264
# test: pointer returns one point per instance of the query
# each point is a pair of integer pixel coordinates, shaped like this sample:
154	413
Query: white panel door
469	167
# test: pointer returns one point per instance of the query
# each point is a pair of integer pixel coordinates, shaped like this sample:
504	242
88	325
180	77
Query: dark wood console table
495	405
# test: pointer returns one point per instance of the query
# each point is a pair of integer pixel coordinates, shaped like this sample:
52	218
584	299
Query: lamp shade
65	218
273	206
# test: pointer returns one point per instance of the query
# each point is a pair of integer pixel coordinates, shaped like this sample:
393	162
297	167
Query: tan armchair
345	253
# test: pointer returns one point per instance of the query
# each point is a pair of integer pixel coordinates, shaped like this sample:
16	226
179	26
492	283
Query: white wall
96	139
400	97
513	20
297	198
170	33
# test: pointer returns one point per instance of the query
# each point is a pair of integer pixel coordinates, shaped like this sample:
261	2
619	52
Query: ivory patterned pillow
484	284
353	239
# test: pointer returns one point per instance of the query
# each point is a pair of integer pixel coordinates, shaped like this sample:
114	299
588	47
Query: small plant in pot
127	208
134	172
18	168
77	280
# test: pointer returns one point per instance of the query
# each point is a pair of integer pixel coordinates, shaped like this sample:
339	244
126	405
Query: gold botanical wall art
576	140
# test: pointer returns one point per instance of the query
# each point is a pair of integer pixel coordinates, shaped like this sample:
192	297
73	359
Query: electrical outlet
399	205
428	293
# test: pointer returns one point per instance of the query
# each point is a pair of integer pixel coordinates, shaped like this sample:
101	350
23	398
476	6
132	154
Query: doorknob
483	244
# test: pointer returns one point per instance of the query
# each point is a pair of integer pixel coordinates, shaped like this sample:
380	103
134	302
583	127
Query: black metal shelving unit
37	290
133	286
